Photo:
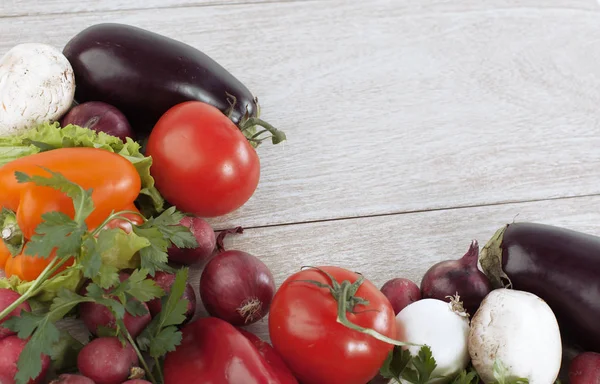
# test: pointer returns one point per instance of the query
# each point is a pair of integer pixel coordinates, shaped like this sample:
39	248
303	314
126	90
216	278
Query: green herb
413	369
402	365
96	257
501	375
161	335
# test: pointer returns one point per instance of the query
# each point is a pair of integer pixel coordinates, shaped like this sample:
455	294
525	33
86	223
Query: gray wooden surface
413	126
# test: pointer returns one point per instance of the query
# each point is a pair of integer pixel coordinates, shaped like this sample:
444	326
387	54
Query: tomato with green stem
201	161
332	326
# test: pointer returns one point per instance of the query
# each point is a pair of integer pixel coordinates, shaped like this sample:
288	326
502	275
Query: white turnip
37	84
519	331
442	326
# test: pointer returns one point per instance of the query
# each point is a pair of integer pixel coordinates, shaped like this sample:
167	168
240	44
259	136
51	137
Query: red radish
237	287
585	368
95	315
136	381
10	350
7	297
448	278
68	378
401	292
101	117
205	236
165	281
106	361
5	378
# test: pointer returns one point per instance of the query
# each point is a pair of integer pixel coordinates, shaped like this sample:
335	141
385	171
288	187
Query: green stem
343	319
140	357
278	136
159	370
46	273
116	215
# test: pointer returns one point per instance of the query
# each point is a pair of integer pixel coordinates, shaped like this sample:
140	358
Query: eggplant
143	74
559	265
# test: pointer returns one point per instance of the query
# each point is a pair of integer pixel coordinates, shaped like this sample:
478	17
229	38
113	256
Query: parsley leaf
397	360
135	308
91	260
43	334
161	334
168	224
501	374
82	198
400	364
166	341
56	231
141	288
466	376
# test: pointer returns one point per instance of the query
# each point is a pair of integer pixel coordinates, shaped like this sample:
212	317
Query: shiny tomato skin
201	161
318	350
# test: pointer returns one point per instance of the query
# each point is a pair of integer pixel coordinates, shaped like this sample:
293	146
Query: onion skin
237	287
458	277
100	117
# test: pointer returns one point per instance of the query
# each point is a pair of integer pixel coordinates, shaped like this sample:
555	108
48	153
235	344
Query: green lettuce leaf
70	280
48	136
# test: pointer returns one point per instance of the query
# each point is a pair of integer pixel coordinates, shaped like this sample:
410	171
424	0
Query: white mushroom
518	331
37	84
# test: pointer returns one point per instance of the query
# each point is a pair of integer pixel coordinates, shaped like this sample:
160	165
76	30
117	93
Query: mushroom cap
37	84
519	330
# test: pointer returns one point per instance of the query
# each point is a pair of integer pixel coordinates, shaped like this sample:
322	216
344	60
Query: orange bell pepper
4	254
114	180
28	268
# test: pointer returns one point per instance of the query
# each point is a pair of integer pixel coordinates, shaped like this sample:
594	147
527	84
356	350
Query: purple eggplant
143	74
559	265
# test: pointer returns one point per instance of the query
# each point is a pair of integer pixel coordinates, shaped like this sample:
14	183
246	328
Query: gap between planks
157	7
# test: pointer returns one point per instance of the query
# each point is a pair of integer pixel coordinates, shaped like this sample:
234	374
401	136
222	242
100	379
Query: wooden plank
11	8
386	247
396	106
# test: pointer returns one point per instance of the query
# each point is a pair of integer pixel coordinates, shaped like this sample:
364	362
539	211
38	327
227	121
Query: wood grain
403	245
396	106
11	8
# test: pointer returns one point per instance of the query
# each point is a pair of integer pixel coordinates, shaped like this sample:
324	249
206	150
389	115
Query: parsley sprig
67	238
402	367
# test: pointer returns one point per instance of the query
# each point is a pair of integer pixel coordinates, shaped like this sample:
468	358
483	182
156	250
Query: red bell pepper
214	351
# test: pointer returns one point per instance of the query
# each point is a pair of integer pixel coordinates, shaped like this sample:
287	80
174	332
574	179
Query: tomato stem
345	295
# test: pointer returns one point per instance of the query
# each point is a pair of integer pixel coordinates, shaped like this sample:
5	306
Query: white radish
37	85
519	331
442	326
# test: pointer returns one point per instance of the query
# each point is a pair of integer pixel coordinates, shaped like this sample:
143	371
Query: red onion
401	292
450	277
237	287
205	236
101	117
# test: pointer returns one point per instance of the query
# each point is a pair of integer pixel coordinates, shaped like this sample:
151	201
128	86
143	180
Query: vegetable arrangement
131	141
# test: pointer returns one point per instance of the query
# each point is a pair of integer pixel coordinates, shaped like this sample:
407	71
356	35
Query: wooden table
413	126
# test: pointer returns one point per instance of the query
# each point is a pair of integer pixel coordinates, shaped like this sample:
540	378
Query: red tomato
318	349
201	161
